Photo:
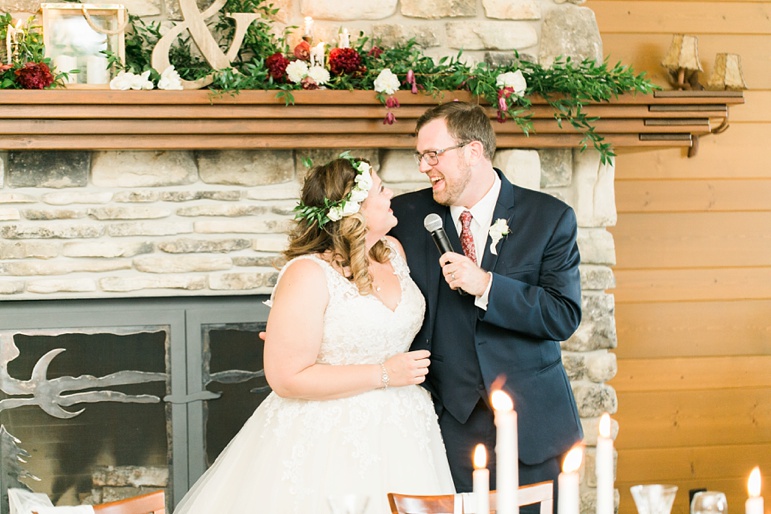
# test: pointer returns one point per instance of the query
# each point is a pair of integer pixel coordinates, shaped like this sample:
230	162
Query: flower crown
349	204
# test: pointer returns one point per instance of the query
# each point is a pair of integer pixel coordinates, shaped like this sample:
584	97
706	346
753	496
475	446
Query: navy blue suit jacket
534	302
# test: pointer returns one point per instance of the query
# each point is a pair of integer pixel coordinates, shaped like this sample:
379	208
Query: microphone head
432	222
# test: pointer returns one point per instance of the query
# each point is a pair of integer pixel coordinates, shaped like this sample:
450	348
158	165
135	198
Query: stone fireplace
134	262
132	281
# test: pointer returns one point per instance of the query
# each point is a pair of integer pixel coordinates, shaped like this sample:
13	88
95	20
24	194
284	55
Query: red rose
276	65
344	60
34	75
303	51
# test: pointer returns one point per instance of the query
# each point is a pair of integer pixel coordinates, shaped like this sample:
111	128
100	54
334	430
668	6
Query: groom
522	296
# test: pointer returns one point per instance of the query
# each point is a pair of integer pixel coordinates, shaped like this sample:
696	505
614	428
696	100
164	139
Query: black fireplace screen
104	399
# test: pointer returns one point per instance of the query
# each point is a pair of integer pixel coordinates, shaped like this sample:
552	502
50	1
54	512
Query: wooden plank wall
693	243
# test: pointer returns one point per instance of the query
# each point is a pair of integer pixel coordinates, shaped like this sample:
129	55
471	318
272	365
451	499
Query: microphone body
433	224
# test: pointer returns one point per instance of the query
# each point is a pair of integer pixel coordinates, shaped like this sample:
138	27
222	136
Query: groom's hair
466	122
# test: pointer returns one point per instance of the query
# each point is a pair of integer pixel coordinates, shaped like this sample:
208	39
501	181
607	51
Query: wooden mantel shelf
102	119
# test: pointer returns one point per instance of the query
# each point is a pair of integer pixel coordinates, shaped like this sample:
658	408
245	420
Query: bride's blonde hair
343	240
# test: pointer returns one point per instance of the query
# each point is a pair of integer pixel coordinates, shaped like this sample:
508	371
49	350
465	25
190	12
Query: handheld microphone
433	223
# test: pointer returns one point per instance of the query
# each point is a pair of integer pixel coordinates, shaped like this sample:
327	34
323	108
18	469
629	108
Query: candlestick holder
654	498
709	502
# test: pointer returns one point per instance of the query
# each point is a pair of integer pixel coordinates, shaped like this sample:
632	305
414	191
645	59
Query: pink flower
308	83
389	119
392	102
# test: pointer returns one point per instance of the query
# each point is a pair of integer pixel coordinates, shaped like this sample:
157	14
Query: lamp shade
683	54
727	73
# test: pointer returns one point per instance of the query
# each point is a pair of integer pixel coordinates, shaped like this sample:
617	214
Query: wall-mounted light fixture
727	74
682	61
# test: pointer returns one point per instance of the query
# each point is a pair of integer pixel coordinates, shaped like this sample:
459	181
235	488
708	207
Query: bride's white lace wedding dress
291	455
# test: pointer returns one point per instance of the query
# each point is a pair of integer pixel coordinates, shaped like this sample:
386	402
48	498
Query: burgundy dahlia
276	65
344	60
34	75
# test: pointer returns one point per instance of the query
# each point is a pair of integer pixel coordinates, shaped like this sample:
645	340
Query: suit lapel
504	209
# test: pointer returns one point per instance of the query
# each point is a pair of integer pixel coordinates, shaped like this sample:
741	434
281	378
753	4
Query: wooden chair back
425	504
464	503
149	503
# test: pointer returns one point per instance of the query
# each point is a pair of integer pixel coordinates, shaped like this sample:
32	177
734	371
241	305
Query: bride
346	414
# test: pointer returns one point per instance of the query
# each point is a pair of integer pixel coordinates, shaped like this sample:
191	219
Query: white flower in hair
350	207
335	213
350	204
358	195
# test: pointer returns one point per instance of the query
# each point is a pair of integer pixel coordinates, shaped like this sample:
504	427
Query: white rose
296	71
142	81
497	230
170	79
386	82
350	207
335	213
319	75
512	79
364	180
122	81
358	195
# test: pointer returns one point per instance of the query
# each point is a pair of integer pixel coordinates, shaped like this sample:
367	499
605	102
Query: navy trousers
460	439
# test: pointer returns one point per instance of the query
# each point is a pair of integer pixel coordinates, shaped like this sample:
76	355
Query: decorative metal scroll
52	395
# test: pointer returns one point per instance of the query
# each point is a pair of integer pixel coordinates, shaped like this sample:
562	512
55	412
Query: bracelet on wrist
384	378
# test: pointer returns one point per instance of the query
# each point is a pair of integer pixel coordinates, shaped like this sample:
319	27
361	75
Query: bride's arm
293	341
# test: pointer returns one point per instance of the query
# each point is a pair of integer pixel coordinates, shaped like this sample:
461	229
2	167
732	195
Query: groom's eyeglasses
432	156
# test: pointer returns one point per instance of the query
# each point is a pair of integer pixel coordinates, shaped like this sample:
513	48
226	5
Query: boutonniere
497	231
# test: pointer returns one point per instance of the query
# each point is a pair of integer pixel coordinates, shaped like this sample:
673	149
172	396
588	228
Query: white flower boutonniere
497	231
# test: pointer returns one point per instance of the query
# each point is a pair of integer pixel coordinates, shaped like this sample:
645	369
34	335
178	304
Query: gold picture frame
77	35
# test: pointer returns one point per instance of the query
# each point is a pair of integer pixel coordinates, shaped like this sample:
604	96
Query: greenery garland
567	86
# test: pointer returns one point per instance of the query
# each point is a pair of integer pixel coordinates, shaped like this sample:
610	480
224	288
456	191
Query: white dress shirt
481	219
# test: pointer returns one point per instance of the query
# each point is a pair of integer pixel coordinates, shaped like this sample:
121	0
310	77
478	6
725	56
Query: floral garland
264	62
349	204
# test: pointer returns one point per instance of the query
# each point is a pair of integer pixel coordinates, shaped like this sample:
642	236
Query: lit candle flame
501	401
753	484
605	425
573	460
480	456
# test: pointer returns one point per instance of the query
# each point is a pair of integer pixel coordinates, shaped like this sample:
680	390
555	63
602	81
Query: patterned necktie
466	239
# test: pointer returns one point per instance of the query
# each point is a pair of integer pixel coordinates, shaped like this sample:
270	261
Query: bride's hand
407	368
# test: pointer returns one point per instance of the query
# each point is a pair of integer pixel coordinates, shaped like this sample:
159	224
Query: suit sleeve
546	304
